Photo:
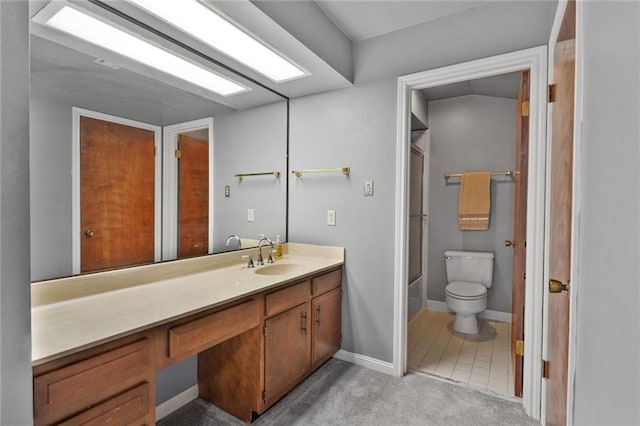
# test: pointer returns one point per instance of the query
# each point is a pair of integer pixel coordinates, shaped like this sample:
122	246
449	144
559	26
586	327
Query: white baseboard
489	314
172	404
366	362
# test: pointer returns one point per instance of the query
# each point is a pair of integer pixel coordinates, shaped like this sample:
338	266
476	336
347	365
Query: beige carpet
340	393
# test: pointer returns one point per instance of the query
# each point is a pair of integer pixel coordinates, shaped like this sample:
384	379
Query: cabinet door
326	311
286	351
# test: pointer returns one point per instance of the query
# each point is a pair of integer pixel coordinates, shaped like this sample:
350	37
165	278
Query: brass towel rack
344	170
459	175
241	176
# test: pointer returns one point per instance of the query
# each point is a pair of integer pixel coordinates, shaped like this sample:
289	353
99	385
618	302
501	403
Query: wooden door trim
75	179
170	184
534	59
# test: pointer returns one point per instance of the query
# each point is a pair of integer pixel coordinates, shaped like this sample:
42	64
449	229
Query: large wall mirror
125	157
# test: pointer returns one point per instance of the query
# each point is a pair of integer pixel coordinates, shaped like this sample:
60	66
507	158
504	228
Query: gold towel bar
243	175
458	175
345	170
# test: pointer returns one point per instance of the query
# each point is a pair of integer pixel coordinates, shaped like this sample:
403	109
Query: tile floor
482	360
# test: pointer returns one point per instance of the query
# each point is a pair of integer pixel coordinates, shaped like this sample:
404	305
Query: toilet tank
469	266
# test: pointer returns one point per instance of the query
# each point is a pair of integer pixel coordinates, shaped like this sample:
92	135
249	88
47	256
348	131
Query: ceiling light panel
103	34
211	28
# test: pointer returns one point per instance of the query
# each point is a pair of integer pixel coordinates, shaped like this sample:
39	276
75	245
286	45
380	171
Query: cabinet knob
89	233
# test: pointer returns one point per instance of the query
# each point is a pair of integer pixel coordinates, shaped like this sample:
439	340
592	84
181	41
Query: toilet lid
466	290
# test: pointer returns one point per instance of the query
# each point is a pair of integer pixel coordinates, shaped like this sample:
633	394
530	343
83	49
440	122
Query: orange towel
475	201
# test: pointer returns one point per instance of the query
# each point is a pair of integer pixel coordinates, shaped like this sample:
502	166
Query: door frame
534	59
76	113
170	184
576	199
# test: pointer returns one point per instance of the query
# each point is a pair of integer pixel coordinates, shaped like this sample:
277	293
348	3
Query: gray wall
50	175
351	127
471	133
176	378
607	379
357	126
15	324
250	141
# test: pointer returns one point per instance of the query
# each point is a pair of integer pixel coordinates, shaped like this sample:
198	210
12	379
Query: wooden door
327	310
286	351
562	117
415	215
193	197
117	195
520	227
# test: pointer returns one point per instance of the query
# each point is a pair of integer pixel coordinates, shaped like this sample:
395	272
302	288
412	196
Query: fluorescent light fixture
205	24
103	34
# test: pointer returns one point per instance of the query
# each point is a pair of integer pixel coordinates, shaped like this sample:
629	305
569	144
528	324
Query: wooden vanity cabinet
300	339
326	330
286	340
113	383
250	353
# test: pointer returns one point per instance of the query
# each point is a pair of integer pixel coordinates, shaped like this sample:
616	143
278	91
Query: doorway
188	189
535	61
474	125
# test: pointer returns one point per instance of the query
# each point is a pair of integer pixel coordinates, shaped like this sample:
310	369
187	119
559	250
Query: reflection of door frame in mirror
170	184
75	178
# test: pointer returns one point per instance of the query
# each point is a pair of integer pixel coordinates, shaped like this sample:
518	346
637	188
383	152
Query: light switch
250	215
331	217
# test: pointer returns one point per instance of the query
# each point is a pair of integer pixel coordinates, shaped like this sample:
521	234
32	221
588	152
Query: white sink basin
279	269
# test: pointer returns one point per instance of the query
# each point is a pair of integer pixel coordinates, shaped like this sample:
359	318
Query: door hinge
524	276
520	347
525	108
264	396
155	151
552	93
264	330
545	369
178	153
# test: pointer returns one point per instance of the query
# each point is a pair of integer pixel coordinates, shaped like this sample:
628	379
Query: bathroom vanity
99	339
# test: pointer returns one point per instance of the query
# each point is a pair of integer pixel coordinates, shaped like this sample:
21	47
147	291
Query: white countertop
70	325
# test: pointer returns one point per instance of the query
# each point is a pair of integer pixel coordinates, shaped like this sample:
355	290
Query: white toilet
469	275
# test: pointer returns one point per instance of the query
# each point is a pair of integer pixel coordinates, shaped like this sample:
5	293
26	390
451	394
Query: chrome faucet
250	261
270	258
231	238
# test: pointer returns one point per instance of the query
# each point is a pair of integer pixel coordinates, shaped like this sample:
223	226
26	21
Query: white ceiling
363	19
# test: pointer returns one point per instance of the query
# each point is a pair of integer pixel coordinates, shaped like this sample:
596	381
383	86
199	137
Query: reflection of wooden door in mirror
117	170
193	197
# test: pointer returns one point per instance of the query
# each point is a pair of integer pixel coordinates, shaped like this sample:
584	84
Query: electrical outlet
250	215
331	217
368	188
227	191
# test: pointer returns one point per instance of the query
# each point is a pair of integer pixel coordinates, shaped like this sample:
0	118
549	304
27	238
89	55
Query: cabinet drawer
326	282
202	333
128	408
286	298
73	388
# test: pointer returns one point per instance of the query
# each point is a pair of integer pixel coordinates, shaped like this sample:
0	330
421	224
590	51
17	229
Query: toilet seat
466	290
